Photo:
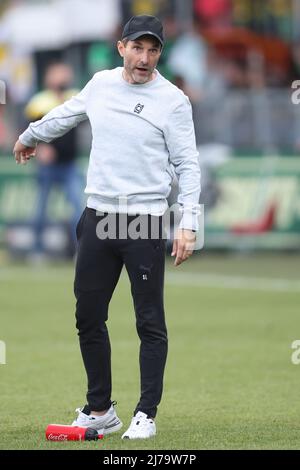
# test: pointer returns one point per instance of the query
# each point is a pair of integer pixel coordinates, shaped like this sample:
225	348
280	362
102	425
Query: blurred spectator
207	113
188	60
56	161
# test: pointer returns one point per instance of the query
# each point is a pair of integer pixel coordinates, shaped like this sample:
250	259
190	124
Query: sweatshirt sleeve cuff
190	220
27	139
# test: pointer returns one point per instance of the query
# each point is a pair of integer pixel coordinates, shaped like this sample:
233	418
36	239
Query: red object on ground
60	432
265	224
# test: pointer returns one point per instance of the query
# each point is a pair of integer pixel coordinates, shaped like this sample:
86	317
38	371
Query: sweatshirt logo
139	108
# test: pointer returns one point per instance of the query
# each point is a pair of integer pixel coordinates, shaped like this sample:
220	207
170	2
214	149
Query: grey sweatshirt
139	133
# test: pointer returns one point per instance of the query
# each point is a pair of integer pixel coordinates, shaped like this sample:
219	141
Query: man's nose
145	58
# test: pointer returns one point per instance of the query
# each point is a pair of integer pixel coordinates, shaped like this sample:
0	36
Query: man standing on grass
141	124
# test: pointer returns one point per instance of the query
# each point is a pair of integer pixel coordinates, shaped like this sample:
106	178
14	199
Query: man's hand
22	153
183	245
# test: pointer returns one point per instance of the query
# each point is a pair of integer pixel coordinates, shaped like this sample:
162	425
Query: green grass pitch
229	382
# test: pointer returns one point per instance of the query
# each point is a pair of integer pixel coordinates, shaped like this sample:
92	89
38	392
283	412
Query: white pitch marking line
233	282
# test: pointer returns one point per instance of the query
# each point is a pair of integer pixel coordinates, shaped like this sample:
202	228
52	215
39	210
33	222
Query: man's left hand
183	245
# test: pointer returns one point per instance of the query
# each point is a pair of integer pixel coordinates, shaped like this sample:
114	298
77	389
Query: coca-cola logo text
58	437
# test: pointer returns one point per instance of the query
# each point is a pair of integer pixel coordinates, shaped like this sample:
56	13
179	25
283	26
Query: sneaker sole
137	437
124	436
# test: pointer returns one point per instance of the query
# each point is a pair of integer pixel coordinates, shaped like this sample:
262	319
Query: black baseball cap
141	25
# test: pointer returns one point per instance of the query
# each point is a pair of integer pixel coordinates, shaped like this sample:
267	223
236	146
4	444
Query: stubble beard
137	78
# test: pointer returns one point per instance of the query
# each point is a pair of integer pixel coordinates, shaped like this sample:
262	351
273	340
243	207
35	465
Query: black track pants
98	268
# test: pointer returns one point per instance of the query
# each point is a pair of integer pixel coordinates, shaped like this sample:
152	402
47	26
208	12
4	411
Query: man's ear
121	48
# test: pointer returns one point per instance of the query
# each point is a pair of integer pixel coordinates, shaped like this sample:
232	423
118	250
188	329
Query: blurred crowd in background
235	59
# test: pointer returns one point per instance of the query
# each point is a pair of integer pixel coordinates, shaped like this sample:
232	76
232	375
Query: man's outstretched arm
53	125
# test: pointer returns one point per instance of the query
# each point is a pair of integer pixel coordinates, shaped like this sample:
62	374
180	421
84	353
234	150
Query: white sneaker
106	424
141	427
